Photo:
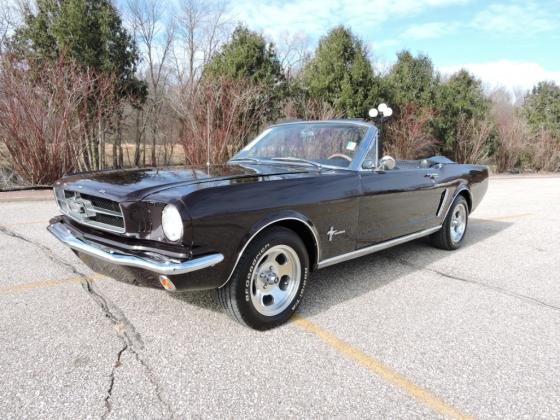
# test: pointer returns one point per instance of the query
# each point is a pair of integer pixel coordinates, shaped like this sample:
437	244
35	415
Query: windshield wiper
295	159
250	159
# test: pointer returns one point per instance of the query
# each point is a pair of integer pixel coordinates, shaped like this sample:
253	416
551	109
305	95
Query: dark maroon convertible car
300	197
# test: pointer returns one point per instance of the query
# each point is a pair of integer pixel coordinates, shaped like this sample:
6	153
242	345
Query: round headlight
172	223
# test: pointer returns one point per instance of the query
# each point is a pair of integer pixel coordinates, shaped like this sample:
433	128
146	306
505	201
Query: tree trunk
154	136
137	140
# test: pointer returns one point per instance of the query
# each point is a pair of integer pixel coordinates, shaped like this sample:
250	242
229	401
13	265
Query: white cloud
429	30
505	73
384	43
522	19
315	17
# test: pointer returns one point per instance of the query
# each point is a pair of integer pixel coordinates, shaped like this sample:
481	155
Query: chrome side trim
63	234
377	247
443	203
316	238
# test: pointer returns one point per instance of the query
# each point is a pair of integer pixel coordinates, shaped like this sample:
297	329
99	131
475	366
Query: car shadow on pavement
345	281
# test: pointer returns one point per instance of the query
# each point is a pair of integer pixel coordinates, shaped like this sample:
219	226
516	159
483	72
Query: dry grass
177	156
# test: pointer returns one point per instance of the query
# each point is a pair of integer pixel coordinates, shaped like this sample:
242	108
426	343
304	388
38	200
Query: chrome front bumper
65	235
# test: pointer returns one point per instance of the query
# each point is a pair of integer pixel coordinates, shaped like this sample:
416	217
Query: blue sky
513	43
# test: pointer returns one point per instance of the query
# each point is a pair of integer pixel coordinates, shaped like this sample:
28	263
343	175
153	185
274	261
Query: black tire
444	237
236	296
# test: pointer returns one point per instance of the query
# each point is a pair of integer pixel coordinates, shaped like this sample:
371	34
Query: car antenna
208	141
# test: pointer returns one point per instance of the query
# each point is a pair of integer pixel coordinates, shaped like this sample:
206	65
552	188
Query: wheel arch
462	191
465	192
295	221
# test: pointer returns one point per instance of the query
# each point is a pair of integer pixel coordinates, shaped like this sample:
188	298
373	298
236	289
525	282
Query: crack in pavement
496	289
125	330
108	406
123	326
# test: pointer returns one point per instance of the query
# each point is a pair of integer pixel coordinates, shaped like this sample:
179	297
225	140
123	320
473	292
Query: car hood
135	184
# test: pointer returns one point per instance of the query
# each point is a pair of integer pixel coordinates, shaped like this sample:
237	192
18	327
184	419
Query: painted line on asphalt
496	219
379	368
47	283
33	222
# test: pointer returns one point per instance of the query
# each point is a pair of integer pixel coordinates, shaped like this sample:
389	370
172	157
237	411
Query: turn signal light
166	283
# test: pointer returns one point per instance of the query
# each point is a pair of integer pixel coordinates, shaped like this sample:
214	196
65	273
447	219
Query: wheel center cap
270	278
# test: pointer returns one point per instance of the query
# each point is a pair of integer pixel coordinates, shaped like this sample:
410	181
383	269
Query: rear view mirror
368	164
387	163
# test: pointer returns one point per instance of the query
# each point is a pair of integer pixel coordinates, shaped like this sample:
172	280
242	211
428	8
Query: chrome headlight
172	223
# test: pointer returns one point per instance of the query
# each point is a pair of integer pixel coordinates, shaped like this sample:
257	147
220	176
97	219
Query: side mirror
368	164
387	163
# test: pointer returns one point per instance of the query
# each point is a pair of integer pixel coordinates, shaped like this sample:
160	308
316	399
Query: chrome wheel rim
275	280
458	223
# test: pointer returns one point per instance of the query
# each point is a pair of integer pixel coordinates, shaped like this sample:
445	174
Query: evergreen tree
542	108
412	79
341	74
90	32
247	55
459	98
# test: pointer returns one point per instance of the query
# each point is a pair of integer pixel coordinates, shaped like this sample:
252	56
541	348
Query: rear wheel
454	227
268	283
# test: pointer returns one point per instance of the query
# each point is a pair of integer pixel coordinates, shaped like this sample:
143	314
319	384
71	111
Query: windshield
328	144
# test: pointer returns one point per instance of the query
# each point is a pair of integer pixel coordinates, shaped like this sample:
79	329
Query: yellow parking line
46	283
33	222
511	216
377	367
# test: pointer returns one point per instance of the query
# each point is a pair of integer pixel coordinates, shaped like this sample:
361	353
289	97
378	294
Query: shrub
49	118
408	136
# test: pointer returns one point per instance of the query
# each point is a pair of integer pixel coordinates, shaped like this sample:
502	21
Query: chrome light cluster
172	223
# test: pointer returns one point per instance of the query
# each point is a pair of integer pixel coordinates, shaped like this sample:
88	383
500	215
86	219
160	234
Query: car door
397	202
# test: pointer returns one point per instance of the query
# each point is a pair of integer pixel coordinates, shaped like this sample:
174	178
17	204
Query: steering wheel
340	155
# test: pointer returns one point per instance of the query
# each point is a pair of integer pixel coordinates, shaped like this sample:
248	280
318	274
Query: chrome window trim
368	141
309	226
372	143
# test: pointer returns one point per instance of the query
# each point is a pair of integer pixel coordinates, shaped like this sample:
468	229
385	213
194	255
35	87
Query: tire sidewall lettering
251	270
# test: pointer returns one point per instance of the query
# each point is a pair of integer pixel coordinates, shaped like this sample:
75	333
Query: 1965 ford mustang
300	197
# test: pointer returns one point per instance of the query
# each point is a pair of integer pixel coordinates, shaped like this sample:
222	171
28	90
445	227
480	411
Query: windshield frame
369	140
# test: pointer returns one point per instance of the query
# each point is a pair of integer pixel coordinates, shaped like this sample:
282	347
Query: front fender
277	218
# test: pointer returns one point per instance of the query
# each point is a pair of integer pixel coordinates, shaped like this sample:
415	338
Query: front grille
103	203
90	210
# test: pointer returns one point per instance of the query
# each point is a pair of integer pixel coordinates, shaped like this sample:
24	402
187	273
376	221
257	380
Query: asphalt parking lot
408	332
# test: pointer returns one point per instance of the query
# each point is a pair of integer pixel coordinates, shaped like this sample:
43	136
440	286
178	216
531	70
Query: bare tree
154	31
472	140
298	107
221	116
512	132
545	152
408	136
293	52
202	26
8	19
48	119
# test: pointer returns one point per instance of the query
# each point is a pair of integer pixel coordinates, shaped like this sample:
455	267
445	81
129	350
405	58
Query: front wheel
268	283
451	235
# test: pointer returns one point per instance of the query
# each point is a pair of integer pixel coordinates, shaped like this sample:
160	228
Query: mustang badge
332	232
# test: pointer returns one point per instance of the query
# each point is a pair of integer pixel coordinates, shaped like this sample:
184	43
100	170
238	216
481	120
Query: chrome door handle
431	175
